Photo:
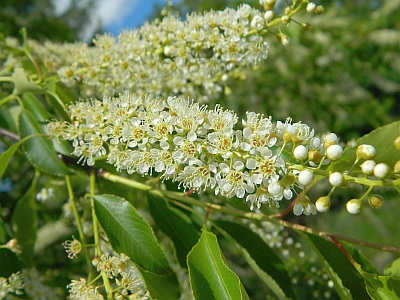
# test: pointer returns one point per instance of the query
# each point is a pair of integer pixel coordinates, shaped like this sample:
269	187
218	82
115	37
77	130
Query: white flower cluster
11	285
166	57
122	270
184	141
183	57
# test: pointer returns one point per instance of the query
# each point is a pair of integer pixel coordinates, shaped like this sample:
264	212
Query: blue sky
117	15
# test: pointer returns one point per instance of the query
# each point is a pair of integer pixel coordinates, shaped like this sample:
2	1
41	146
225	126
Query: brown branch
10	134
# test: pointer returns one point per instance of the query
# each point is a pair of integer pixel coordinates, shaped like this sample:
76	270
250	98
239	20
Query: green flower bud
314	156
375	201
288	179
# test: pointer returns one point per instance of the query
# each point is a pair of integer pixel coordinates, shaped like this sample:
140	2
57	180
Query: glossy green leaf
393	269
25	223
175	224
210	277
382	139
381	287
349	283
264	261
129	233
39	150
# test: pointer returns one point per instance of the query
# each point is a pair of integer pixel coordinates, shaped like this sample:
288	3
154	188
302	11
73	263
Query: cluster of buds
202	149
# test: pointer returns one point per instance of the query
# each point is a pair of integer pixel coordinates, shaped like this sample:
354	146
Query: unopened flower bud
319	10
396	143
353	206
300	152
310	7
365	152
330	139
315	156
375	201
323	204
269	15
334	152
306	177
381	170
367	167
336	179
285	19
288	179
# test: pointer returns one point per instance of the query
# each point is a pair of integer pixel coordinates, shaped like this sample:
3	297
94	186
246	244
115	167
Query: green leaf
129	233
31	103
393	269
25	222
210	277
382	139
381	287
348	282
9	263
175	224
23	84
6	156
39	150
264	261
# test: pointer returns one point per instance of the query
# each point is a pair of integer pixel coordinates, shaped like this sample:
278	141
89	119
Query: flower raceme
200	148
167	57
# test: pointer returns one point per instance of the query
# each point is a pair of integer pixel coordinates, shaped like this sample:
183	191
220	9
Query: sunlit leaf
393	269
210	277
129	233
381	287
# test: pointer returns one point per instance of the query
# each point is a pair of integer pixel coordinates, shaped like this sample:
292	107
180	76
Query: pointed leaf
175	224
349	283
129	233
264	261
25	222
210	277
39	150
